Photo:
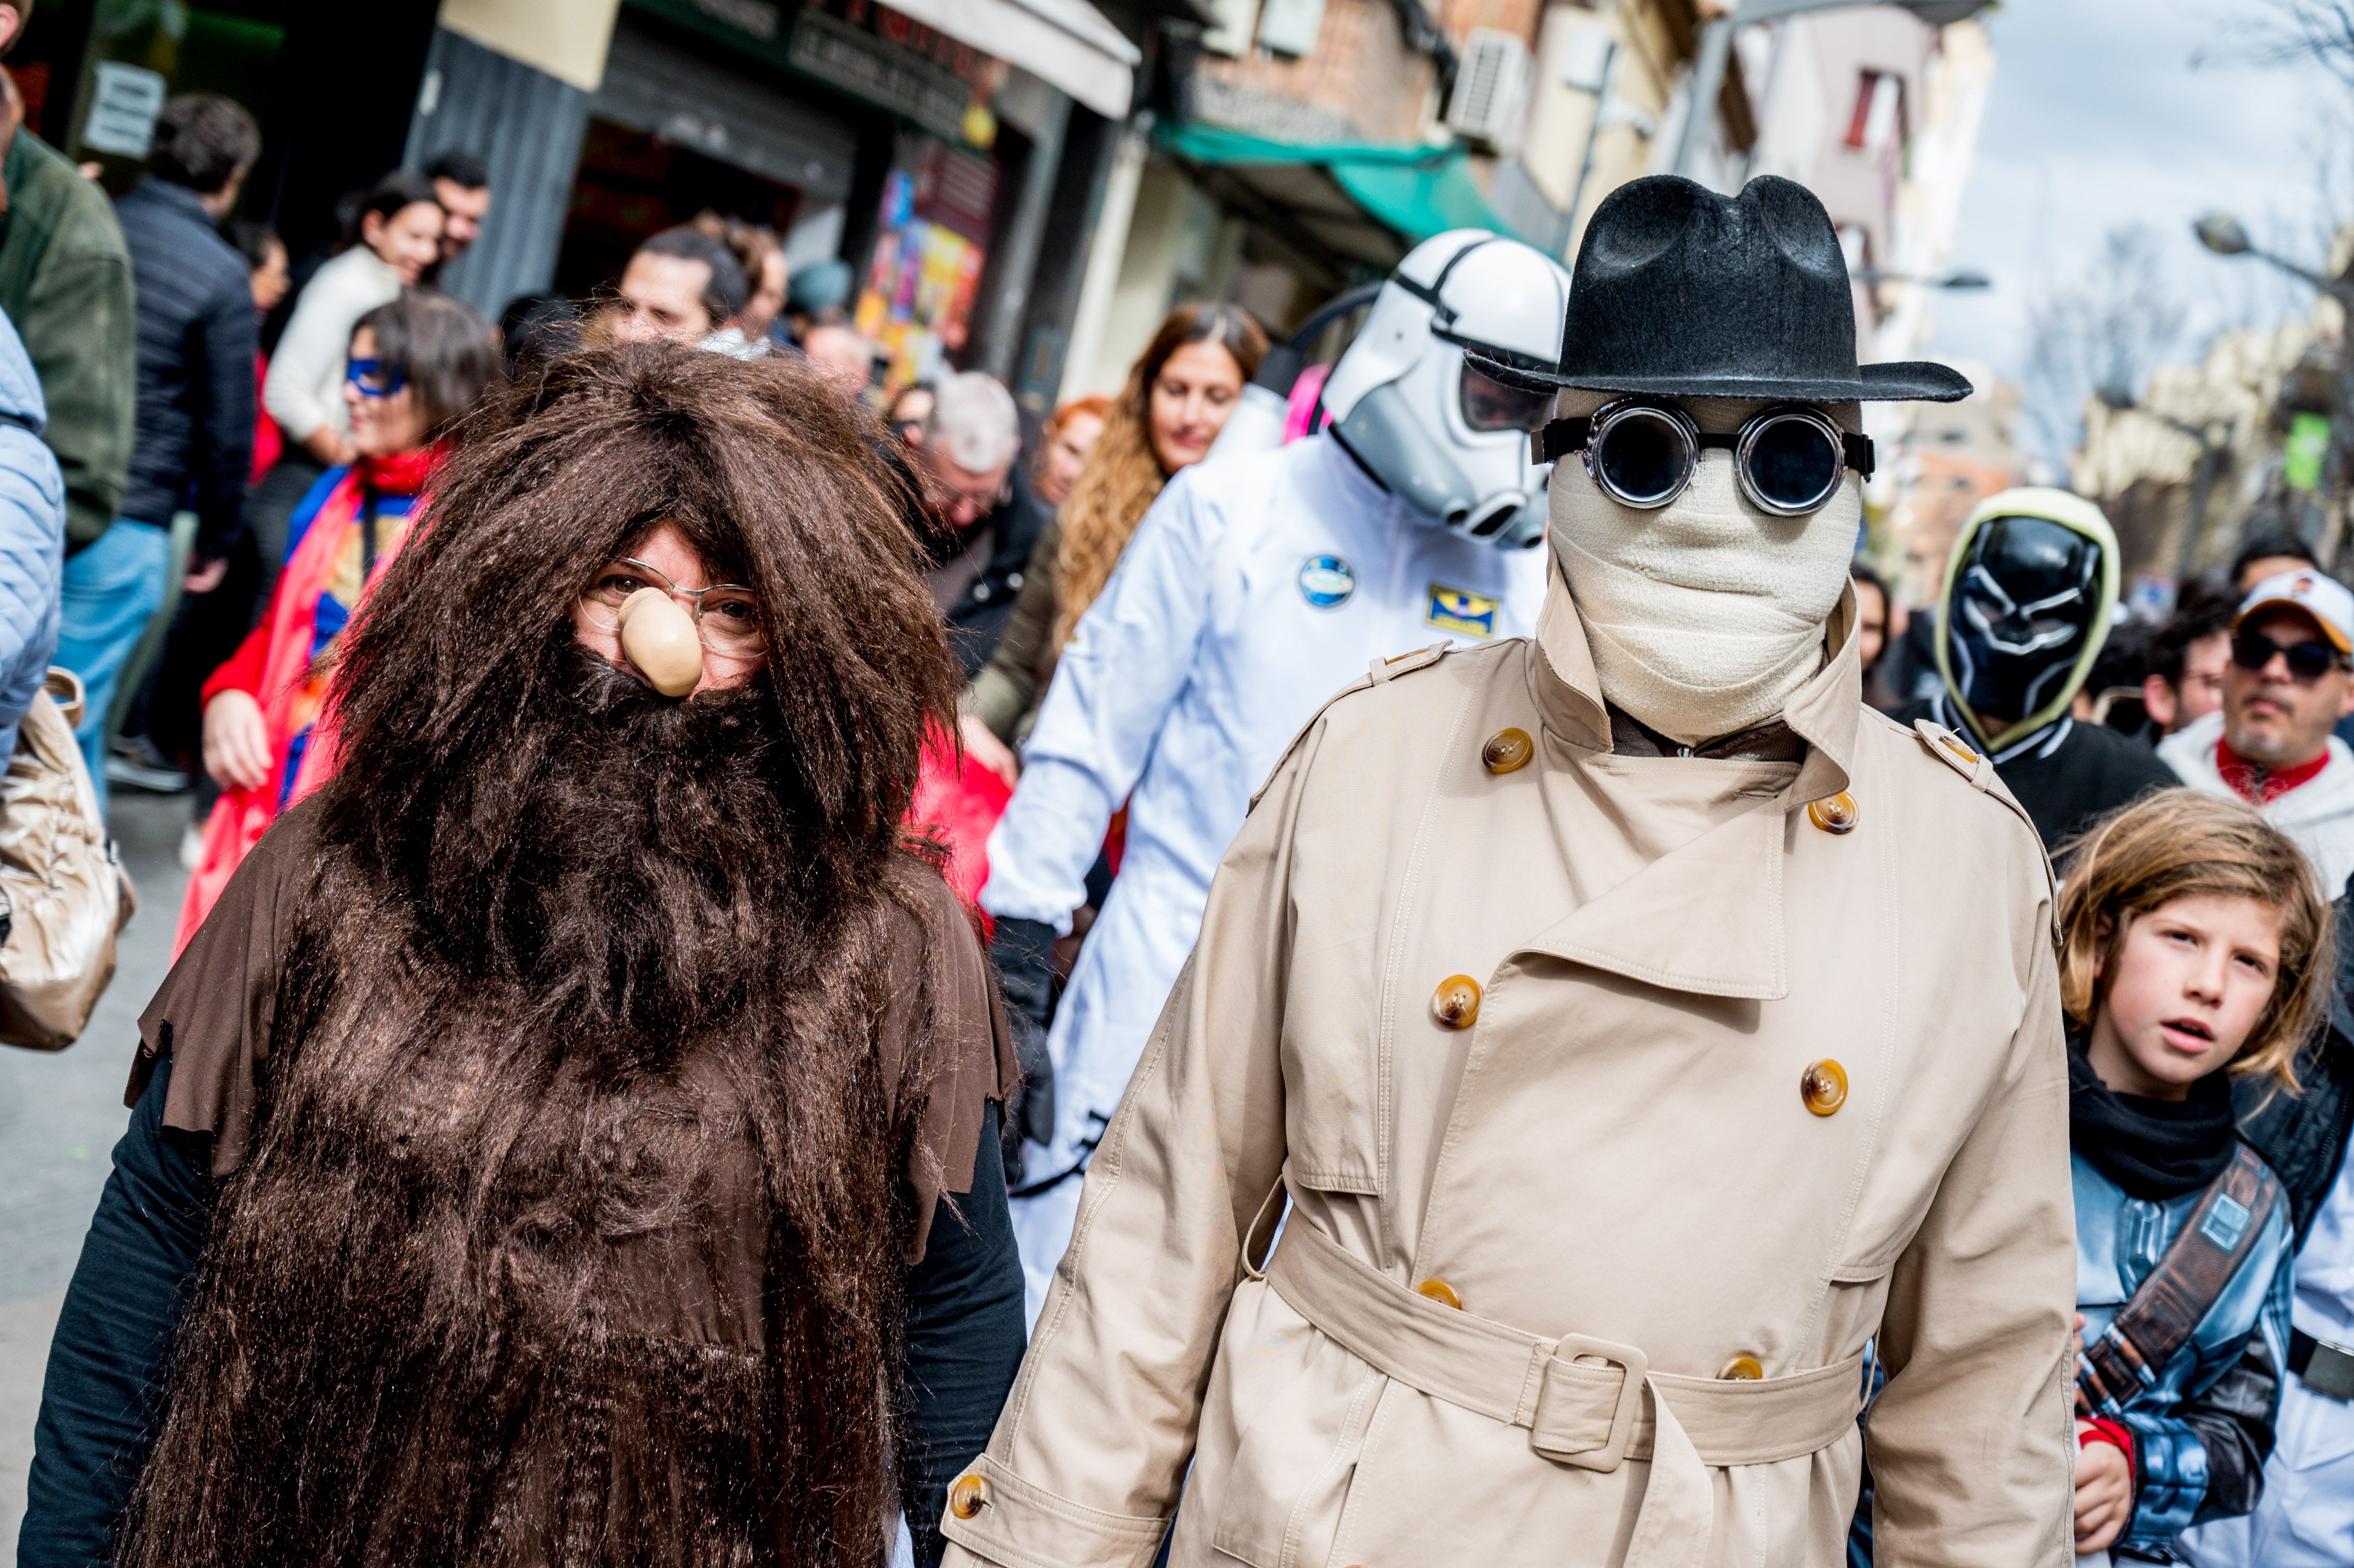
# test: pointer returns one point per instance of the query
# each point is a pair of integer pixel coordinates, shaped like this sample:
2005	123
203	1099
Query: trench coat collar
1706	917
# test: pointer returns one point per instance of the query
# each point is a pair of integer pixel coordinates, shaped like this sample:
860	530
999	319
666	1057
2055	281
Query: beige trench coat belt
1590	1416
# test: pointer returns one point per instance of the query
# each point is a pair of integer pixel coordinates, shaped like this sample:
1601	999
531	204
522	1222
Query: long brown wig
588	993
1123	474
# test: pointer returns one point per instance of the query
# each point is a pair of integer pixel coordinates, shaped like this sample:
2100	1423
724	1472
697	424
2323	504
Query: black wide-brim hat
1681	293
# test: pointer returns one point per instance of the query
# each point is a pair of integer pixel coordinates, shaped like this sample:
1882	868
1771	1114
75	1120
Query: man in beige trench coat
1637	1026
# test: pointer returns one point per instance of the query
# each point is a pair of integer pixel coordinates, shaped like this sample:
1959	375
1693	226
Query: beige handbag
67	896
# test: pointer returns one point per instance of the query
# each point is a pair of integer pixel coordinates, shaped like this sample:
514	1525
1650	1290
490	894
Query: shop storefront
928	143
841	84
92	76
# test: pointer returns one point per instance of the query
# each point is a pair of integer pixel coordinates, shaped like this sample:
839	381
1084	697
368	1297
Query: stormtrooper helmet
1444	437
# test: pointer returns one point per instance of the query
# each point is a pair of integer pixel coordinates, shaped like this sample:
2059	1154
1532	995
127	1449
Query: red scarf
402	473
2260	786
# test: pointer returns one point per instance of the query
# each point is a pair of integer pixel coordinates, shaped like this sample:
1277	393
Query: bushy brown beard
633	858
536	1042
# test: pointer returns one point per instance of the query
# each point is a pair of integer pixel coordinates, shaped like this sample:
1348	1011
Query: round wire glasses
726	615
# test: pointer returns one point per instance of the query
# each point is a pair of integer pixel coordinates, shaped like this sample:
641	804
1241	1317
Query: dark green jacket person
65	282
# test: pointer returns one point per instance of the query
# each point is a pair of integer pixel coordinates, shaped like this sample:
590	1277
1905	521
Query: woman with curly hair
1178	396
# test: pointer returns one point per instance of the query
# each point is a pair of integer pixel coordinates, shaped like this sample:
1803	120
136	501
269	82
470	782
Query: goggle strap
1562	437
1559	438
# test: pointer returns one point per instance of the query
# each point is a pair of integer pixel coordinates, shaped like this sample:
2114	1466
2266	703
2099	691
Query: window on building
1877	123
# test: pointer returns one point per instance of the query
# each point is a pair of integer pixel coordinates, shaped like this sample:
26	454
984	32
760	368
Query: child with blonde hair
2192	939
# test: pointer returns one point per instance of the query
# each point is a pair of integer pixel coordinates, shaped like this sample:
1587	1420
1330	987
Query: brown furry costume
591	1060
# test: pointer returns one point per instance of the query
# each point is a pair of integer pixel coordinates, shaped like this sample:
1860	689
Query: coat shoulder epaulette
1380	671
1973	765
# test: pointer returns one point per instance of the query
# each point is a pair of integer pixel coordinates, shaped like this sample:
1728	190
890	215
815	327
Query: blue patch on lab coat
1326	581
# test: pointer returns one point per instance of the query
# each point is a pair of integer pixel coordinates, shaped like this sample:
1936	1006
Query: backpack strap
2221	1233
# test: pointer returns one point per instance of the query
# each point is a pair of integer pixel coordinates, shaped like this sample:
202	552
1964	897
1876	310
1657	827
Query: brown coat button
968	1496
1508	749
1455	1003
1743	1367
1836	815
1824	1086
1438	1290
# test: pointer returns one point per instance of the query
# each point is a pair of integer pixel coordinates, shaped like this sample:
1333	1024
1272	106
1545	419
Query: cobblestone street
59	1116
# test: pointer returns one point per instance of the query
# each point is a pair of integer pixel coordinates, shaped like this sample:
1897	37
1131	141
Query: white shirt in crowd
2306	1516
2318	813
1256	587
304	389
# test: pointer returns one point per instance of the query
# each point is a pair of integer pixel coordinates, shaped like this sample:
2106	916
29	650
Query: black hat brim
1904	380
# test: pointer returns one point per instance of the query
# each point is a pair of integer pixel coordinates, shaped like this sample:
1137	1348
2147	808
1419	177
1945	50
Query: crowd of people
646	1062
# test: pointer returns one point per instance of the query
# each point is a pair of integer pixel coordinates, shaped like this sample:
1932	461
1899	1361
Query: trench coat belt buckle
1590	1416
1569	1393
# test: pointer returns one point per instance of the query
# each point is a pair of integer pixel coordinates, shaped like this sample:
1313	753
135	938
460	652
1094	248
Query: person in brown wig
572	1139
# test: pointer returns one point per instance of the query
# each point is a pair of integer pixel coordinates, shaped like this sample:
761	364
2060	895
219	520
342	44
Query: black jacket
2303	1136
2068	774
978	617
198	340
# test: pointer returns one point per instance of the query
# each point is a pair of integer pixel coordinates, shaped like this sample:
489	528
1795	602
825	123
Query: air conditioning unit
1491	90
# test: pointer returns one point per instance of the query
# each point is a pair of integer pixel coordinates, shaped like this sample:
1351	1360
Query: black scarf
2155	1150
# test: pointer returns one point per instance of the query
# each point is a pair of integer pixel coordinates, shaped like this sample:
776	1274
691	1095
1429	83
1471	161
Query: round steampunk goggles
1787	460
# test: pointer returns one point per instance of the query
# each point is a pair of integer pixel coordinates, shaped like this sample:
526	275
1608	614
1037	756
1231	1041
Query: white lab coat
1184	683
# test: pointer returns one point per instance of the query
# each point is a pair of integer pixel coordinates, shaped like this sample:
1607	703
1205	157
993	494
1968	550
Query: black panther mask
2018	607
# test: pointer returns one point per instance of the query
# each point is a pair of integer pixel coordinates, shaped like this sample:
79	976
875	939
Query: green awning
1407	193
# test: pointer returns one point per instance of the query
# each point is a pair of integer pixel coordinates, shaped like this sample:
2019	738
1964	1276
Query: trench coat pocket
1288	1478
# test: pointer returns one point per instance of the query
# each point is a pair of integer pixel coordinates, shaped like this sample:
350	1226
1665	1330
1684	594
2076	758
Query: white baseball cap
2322	597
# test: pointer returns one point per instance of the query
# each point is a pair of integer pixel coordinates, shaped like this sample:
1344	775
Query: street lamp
2224	235
1716	47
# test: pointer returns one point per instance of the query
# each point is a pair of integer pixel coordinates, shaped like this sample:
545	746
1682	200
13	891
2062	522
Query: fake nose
660	639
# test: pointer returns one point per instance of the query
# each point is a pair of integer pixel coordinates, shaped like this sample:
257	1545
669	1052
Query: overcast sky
2113	112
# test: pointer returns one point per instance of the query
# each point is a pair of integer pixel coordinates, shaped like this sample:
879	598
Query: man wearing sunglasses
2286	686
1624	1025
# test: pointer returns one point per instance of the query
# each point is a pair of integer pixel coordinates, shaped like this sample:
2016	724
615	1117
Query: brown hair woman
1179	395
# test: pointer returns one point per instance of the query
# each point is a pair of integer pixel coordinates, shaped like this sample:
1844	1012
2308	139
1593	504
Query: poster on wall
916	299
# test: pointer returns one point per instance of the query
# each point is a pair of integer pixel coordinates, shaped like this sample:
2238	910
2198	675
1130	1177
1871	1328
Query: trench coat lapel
1706	917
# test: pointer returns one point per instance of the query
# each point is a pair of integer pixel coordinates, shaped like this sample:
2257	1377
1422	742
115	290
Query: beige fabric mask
1707	614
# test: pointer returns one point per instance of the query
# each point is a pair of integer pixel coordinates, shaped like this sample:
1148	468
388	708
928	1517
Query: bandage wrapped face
1704	615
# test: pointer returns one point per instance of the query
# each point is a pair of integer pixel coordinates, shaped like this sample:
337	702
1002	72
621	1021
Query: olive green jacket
65	282
1012	687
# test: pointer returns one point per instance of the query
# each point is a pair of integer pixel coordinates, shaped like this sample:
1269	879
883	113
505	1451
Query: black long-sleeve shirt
111	1352
198	338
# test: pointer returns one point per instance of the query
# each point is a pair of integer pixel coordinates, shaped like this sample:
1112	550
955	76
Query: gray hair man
984	519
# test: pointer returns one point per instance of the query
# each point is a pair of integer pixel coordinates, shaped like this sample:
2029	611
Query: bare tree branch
2101	336
2318	32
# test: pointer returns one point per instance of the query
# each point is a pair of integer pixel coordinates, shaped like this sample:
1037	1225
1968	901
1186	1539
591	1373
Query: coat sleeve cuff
1020	1525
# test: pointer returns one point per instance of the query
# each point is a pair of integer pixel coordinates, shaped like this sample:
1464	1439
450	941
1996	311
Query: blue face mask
375	378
